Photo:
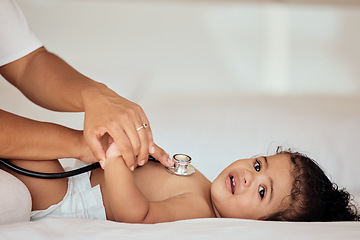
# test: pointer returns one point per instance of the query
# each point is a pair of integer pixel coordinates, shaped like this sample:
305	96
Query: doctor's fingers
146	139
133	143
126	148
162	156
143	154
93	139
144	125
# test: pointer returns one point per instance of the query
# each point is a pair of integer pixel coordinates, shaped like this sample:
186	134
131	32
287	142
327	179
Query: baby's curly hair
314	197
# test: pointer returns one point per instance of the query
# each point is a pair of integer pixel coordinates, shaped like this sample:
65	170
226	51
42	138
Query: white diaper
80	201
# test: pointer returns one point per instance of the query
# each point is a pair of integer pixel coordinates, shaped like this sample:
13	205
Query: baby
287	186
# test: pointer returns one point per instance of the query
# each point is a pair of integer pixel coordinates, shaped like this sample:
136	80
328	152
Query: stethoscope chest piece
181	165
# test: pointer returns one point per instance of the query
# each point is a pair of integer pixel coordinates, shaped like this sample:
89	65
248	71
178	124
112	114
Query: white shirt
16	38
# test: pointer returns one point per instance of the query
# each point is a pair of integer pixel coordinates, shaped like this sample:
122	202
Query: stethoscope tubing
59	175
43	175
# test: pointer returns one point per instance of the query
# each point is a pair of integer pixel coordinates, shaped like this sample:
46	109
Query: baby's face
253	188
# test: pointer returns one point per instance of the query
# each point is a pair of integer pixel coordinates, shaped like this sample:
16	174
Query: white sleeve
16	38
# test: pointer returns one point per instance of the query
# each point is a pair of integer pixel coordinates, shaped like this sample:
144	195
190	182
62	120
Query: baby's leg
15	200
44	192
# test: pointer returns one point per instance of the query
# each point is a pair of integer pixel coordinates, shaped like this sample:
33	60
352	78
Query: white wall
230	47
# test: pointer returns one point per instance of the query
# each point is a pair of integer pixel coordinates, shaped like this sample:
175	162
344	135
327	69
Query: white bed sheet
71	228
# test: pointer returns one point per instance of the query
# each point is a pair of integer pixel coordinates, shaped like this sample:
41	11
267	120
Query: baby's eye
257	166
261	192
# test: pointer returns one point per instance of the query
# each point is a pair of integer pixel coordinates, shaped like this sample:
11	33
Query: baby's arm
127	203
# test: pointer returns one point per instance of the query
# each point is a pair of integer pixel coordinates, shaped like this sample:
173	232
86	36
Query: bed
213	105
189	229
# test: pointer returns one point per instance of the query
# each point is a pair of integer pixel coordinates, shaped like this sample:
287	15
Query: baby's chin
214	189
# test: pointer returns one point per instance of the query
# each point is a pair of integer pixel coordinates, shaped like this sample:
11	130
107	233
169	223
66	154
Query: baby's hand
113	150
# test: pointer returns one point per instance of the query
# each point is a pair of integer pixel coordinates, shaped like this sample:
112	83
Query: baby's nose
247	178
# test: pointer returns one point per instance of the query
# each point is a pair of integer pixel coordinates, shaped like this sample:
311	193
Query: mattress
71	228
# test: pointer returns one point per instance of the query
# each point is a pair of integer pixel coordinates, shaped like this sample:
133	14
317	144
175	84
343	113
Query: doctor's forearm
23	138
50	82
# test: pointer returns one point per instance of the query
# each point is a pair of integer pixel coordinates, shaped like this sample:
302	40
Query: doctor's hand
114	151
84	153
124	121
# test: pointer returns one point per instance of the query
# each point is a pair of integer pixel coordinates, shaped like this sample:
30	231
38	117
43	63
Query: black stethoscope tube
42	175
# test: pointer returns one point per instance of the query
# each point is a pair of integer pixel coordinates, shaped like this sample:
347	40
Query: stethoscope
181	167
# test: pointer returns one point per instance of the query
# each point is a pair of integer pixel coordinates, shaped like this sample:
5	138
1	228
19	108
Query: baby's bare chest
157	184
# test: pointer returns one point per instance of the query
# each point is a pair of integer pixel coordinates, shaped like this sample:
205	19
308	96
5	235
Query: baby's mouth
232	184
